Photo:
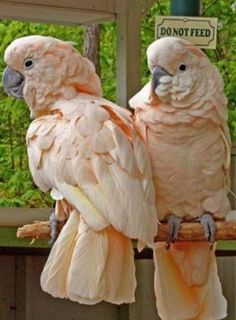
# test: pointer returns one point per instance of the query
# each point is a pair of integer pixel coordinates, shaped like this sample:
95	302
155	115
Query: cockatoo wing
102	167
89	154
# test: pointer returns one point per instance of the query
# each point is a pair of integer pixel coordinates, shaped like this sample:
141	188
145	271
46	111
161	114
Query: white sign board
199	30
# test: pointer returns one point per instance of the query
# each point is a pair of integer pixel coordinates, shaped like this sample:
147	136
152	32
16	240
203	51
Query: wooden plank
128	51
15	217
7	288
121	6
39	13
123	312
227	274
20	281
233	149
41	306
226	245
93	5
97	6
145	304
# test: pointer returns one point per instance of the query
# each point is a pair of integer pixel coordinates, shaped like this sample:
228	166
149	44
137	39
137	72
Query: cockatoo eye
182	67
28	64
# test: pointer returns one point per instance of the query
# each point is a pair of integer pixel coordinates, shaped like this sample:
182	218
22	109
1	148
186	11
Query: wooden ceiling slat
107	6
41	13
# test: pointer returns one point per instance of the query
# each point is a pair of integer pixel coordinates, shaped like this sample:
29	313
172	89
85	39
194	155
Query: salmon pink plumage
87	151
182	115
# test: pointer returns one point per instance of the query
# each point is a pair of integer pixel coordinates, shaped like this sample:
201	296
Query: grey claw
209	227
173	229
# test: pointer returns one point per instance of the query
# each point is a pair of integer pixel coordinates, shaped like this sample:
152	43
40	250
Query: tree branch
225	230
92	45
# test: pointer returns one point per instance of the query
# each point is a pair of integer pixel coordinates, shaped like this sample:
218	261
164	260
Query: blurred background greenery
16	186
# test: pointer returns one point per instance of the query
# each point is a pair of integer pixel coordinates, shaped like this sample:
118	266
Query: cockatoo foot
209	227
53	225
173	229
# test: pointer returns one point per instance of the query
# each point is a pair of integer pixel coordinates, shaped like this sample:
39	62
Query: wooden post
128	51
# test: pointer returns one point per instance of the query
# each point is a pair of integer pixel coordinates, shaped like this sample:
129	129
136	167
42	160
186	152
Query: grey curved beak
13	83
157	74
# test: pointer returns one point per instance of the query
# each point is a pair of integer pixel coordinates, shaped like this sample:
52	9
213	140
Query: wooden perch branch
225	230
193	231
37	230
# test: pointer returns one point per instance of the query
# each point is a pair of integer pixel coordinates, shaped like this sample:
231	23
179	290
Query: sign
200	31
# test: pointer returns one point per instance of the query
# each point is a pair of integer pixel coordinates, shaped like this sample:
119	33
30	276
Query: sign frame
188	28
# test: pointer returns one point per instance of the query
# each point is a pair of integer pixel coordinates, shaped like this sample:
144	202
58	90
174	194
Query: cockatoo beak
157	74
13	83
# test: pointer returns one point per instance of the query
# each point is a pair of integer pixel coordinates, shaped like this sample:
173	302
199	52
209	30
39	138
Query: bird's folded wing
102	167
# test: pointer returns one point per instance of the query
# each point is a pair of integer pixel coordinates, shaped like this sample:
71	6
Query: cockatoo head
178	68
42	70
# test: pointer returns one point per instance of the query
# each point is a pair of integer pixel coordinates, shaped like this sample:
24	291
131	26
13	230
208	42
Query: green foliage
16	186
107	60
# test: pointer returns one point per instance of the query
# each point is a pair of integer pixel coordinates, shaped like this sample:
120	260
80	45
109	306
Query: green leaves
108	60
19	191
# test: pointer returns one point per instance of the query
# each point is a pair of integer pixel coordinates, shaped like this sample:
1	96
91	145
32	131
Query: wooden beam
49	14
108	6
128	51
225	230
15	217
105	6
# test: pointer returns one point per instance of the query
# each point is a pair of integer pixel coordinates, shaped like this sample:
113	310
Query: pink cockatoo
182	115
86	150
